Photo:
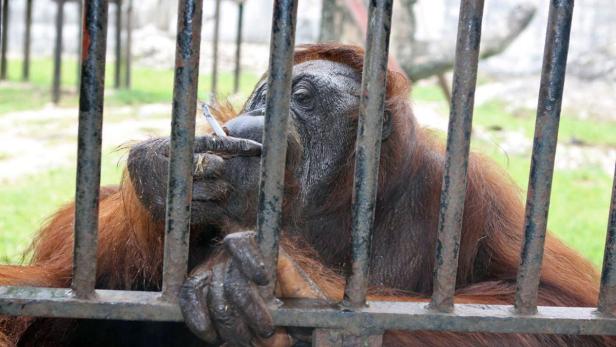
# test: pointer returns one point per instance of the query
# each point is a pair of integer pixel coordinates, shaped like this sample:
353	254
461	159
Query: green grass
28	202
148	86
492	115
579	205
580	198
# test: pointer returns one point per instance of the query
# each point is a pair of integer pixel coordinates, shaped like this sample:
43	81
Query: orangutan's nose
248	125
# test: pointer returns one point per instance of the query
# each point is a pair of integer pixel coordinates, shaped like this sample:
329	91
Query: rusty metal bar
129	42
607	293
4	36
381	316
89	147
25	73
238	47
105	304
118	44
57	55
453	190
544	150
377	317
79	41
179	190
215	38
368	148
271	187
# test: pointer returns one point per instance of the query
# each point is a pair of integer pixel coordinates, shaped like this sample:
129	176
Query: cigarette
212	121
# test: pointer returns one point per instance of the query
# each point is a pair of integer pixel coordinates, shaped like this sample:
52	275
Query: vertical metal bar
274	153
89	147
25	75
238	46
5	39
607	294
129	42
79	41
179	190
453	190
118	44
57	56
368	147
544	150
215	38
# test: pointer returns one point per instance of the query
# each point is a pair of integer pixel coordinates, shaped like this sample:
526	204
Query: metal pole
90	130
4	37
544	151
607	294
118	44
79	41
453	190
179	190
27	32
238	47
368	148
57	57
215	51
129	42
274	153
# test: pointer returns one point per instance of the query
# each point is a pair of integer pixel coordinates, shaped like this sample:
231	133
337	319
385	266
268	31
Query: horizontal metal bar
179	187
544	152
368	148
607	294
456	158
379	316
376	317
104	304
90	135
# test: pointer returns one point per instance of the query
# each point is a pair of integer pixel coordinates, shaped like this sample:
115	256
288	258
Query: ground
38	144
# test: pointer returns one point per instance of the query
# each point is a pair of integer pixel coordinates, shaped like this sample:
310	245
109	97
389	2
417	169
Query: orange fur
131	244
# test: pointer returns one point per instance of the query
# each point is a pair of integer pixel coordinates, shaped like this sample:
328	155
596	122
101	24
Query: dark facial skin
324	101
222	302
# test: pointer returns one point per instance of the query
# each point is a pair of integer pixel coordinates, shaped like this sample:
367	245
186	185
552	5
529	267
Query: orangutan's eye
303	95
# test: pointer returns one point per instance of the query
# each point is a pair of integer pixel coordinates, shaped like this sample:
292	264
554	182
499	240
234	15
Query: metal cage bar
4	36
25	72
79	40
456	160
368	148
215	41
273	155
544	151
117	73
57	53
238	47
89	146
607	292
129	42
179	189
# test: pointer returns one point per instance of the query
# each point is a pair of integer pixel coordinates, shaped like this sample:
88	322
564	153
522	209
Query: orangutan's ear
387	125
